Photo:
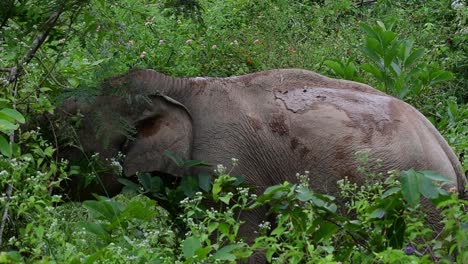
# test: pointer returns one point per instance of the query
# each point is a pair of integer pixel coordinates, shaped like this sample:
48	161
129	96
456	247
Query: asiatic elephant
276	123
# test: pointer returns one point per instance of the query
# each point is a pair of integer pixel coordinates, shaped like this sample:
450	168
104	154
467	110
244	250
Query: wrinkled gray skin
276	122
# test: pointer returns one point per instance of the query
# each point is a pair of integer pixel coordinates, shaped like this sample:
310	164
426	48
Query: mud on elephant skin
275	122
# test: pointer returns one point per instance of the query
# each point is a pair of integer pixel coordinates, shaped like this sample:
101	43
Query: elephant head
142	126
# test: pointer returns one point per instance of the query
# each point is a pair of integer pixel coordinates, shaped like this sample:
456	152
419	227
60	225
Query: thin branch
40	38
5	211
5	69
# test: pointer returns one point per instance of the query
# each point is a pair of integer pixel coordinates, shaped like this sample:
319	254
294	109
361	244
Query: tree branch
40	38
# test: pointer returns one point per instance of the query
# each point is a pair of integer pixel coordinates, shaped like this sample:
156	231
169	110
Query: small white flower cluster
116	166
4	173
242	190
303	178
187	201
264	226
220	169
234	162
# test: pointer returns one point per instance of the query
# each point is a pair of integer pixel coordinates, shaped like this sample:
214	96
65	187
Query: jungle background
52	50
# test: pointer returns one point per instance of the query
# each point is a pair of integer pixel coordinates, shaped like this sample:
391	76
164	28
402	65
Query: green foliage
93	40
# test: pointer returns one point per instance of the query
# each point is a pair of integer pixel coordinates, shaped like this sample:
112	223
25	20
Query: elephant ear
164	125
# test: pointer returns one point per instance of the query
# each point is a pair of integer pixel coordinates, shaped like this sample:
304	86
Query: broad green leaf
225	199
129	185
304	194
435	176
97	229
350	71
372	69
374	49
381	25
190	245
405	49
204	181
335	66
224	228
216	190
427	188
5	148
388	37
299	220
7	126
202	253
137	209
396	68
225	252
104	208
174	158
415	55
410	187
325	231
369	31
390	57
377	213
441	76
13	114
390	192
189	185
195	163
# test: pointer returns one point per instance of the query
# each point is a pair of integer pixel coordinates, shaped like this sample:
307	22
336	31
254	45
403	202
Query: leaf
225	252
204	181
390	57
174	158
335	66
441	76
13	114
387	38
96	229
5	148
189	185
410	187
190	245
104	208
390	192
396	233
225	199
373	49
325	231
427	188
372	69
304	194
417	54
435	176
377	213
7	126
139	210
369	31
195	163
350	70
129	185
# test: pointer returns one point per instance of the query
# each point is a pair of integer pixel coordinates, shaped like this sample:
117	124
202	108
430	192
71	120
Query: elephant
275	122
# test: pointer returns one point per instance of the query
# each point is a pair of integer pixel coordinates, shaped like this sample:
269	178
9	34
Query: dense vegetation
51	50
